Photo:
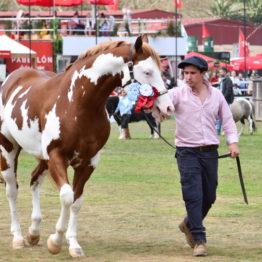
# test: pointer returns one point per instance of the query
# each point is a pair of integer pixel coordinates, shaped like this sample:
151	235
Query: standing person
124	107
89	25
242	83
214	79
234	77
197	106
226	87
111	25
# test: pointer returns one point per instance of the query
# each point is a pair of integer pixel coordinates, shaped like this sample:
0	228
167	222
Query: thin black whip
217	157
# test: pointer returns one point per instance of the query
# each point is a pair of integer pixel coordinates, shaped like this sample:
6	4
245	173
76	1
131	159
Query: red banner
100	2
5	53
50	3
243	45
44	59
205	32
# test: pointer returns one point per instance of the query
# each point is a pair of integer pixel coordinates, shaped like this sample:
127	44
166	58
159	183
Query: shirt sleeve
173	95
228	123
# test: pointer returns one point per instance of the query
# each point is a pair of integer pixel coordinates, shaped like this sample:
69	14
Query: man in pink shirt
197	106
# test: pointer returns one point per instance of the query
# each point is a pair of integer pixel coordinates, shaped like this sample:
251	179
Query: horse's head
113	58
147	71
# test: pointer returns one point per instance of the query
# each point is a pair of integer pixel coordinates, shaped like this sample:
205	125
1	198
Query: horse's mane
147	50
100	48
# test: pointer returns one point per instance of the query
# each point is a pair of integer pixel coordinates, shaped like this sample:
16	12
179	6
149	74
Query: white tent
16	49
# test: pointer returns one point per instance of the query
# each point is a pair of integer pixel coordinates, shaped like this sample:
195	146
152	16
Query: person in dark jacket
226	87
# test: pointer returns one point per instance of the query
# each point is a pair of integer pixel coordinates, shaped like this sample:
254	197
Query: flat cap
196	61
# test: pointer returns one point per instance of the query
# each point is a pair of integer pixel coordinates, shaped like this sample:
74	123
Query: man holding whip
197	106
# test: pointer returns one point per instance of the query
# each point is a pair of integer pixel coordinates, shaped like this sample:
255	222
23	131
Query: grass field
133	205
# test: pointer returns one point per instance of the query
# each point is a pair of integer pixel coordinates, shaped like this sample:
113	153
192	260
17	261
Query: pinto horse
61	119
111	106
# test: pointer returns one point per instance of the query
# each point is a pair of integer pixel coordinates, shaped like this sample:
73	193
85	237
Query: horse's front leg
80	178
242	127
57	167
8	168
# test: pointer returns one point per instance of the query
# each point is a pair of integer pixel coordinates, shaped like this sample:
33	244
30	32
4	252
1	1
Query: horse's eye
147	73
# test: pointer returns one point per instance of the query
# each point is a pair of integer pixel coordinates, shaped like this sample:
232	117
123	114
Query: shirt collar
205	82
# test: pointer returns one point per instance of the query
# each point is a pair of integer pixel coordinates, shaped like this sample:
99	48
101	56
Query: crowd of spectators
76	25
241	86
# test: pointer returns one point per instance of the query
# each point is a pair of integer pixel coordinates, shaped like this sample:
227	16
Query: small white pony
242	109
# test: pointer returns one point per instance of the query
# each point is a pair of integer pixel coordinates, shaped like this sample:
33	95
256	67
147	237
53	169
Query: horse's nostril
170	109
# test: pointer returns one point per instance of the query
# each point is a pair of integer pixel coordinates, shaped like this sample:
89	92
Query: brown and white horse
62	121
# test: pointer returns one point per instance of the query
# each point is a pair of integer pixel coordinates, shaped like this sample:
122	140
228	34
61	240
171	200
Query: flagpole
30	40
96	21
245	43
176	38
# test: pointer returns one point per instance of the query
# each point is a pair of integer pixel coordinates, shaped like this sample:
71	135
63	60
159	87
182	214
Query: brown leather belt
206	148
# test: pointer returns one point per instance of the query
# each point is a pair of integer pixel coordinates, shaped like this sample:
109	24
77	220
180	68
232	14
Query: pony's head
147	70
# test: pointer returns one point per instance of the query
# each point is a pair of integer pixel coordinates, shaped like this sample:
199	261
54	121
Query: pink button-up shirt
196	121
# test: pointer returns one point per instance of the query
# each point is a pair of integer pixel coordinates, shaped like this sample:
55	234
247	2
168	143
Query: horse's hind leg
242	127
9	155
158	128
251	125
36	217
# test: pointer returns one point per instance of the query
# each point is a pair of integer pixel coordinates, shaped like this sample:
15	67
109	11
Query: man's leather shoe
189	237
200	249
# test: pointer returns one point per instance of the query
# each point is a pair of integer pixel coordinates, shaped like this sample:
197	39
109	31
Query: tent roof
207	58
16	49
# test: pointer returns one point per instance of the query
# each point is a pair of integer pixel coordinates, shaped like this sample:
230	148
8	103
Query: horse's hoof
33	239
52	247
19	243
76	252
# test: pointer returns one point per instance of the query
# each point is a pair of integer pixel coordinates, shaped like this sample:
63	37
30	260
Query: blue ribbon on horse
146	102
133	91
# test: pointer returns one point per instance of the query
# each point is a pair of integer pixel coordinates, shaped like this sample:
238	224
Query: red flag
243	48
178	3
205	32
114	6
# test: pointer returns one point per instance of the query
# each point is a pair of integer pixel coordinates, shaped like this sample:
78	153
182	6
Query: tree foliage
254	11
249	10
222	8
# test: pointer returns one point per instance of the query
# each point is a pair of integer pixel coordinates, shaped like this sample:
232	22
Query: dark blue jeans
198	177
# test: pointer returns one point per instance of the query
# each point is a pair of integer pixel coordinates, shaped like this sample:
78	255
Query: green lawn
133	205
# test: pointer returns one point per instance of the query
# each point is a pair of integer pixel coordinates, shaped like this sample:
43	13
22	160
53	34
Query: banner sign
5	53
44	59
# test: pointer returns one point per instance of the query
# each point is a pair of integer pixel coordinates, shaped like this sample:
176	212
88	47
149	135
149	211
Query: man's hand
233	149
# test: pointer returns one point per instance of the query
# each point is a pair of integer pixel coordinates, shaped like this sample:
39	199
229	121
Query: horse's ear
138	44
145	38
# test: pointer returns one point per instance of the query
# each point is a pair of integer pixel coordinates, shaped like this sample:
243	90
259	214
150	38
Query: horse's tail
254	126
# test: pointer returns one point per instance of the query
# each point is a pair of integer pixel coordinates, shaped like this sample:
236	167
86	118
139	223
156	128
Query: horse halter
130	65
